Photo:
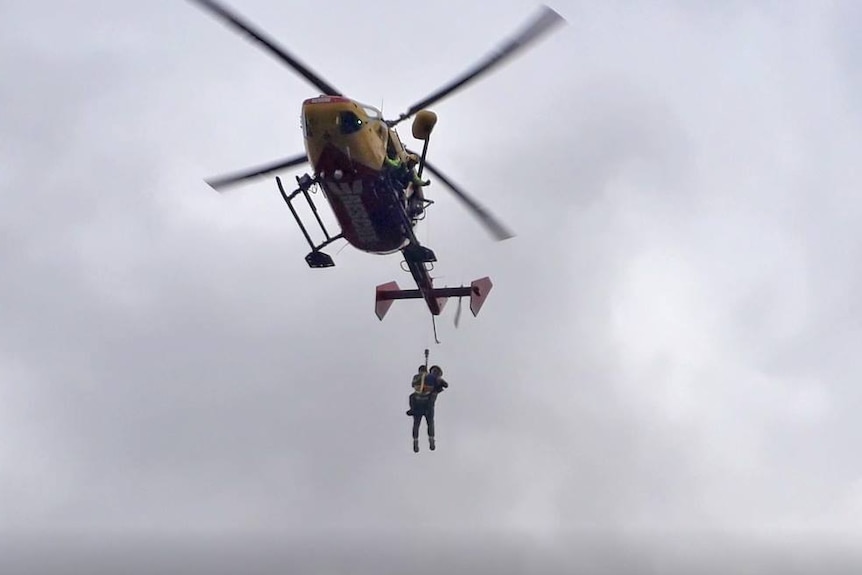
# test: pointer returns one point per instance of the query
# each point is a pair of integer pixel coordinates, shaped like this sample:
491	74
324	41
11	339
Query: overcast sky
671	344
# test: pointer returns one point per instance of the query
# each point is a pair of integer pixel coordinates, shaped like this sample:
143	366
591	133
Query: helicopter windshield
349	122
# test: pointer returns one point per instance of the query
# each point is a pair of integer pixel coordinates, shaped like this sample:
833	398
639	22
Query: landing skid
315	258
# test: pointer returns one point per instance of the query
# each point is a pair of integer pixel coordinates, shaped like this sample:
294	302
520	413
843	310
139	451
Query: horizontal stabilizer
389	292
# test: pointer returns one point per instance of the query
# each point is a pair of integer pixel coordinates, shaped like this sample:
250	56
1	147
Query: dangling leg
417	419
417	200
429	417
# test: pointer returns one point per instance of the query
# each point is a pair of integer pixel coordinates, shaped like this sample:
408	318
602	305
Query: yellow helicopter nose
345	124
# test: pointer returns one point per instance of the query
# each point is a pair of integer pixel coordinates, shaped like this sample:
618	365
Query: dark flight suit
422	404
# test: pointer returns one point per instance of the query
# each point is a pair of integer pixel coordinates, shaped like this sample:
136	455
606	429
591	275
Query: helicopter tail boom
389	292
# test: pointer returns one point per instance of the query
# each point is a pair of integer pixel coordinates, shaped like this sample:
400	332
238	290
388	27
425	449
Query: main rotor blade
229	180
490	222
542	23
281	53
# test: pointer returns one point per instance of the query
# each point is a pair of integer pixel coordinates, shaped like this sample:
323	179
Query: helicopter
371	181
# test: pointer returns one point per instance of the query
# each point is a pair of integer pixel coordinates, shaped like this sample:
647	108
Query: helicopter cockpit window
349	122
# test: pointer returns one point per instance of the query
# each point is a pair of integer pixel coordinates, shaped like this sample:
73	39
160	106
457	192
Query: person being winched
426	386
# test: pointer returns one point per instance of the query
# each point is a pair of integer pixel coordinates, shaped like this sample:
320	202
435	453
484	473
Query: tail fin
479	290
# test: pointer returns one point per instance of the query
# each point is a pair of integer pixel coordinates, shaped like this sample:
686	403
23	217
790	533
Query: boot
415	446
431	443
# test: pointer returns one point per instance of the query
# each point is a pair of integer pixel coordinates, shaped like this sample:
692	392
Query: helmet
436	368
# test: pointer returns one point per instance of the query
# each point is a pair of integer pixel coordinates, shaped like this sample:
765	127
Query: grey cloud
170	366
